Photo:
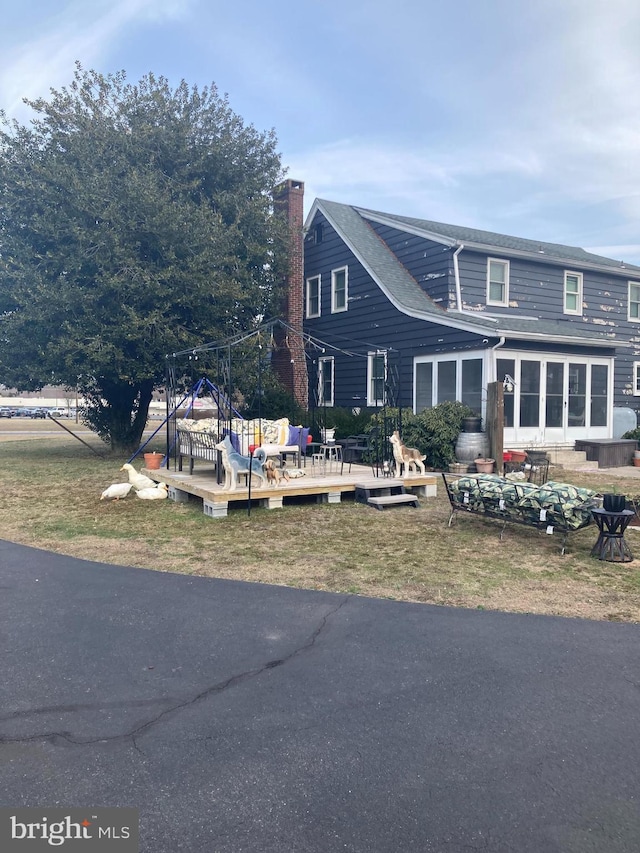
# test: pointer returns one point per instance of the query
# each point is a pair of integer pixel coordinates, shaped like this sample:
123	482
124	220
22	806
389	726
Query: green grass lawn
51	500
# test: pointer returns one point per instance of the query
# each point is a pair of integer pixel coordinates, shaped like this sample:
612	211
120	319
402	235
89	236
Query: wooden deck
326	488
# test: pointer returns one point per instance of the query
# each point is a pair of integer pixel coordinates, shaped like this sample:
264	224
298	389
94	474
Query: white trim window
633	307
312	301
636	378
497	282
376	378
573	293
339	290
326	368
437	379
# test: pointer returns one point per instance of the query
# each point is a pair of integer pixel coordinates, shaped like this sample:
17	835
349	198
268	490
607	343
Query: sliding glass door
556	398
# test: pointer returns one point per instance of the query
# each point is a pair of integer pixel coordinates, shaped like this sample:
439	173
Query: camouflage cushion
556	504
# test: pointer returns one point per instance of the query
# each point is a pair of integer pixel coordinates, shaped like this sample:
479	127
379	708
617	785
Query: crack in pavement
232	681
88	706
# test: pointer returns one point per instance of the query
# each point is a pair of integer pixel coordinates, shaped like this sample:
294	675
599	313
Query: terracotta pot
485	466
153	461
636	461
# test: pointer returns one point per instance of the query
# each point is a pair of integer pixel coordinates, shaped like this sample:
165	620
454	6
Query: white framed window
497	282
313	296
326	367
636	378
339	290
440	378
376	378
573	293
633	309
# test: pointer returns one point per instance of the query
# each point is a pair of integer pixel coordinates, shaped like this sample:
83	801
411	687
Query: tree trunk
118	412
129	419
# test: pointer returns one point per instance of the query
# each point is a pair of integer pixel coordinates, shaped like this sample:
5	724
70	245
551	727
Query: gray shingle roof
491	240
407	295
376	256
532	327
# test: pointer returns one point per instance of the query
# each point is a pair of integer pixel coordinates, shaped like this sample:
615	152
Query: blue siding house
415	312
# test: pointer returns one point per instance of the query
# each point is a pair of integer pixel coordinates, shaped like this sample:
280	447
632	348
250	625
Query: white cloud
396	169
80	31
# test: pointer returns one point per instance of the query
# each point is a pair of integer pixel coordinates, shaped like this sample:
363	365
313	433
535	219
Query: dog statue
235	463
275	474
409	457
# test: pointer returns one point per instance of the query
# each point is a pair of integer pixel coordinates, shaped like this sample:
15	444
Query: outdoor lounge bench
553	507
197	439
196	445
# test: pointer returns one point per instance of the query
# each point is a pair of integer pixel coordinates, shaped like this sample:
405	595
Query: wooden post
494	421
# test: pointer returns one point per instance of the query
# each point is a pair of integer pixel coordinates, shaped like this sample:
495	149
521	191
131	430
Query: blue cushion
233	436
294	435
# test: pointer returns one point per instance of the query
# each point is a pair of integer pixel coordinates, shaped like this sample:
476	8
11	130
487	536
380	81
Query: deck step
393	500
566	458
378	488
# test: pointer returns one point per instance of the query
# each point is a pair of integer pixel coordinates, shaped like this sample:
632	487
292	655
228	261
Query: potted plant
485	466
613	502
153	461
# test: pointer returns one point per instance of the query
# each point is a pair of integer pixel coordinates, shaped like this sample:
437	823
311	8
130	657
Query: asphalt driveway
243	717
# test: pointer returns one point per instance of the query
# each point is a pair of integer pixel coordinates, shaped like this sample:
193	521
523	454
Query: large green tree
135	221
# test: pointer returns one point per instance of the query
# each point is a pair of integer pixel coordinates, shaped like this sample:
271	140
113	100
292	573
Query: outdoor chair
354	448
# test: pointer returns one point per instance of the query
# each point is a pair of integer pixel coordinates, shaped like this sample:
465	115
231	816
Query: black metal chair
353	449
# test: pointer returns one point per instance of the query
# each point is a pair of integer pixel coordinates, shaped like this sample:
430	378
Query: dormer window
497	282
573	293
634	302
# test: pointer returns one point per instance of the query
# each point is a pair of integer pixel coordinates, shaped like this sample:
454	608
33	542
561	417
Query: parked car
58	413
38	413
5	412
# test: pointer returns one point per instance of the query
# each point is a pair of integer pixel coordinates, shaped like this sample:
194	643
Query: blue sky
517	116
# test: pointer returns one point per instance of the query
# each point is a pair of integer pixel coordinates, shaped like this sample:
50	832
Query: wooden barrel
471	445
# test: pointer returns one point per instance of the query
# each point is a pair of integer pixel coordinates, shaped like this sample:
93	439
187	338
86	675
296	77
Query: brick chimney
289	359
